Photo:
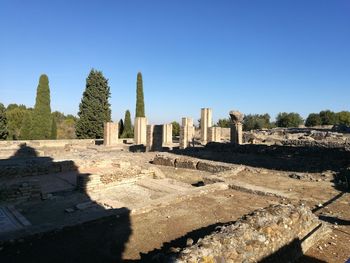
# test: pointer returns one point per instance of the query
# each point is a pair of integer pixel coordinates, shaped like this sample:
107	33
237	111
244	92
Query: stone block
185	163
164	160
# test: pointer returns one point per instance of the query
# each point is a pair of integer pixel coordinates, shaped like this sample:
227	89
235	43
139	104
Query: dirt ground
162	215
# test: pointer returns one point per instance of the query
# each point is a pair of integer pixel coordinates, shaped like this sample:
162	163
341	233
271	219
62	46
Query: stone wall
94	183
19	192
31	148
191	163
278	233
13	168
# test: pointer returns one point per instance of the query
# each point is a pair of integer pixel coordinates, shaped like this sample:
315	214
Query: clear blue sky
256	56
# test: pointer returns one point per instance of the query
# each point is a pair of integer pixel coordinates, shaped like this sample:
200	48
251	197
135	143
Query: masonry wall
279	233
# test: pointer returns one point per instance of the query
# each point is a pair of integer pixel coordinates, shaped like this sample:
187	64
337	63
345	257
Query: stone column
206	122
158	136
167	134
236	127
214	134
140	130
110	135
186	133
154	137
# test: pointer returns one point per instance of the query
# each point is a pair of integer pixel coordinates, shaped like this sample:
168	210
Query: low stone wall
46	143
13	168
320	144
31	148
19	192
94	183
279	233
191	163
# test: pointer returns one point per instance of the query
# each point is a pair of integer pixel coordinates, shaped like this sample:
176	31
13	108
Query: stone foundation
279	233
20	192
95	183
13	168
191	163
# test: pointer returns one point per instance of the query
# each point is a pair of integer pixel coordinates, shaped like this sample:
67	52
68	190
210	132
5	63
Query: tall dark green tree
41	128
313	119
26	128
120	127
94	108
176	128
15	114
140	105
291	119
53	129
3	123
328	117
128	130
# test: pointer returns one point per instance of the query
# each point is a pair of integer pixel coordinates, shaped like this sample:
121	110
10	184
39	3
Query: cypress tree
94	108
53	129
41	127
140	105
128	131
3	123
26	128
120	127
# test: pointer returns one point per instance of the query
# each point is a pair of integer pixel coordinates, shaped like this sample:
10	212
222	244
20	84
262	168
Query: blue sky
256	56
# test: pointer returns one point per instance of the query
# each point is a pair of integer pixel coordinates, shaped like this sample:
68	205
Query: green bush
285	119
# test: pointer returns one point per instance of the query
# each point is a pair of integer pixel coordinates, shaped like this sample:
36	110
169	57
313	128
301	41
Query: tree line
292	119
18	122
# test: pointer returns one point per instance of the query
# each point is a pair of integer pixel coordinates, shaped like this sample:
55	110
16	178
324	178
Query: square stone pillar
186	133
110	135
236	133
140	130
214	134
167	134
158	136
206	122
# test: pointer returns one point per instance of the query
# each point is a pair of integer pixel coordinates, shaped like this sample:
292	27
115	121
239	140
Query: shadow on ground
101	240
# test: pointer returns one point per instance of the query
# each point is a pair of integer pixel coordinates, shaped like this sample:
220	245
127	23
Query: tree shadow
285	158
25	151
98	237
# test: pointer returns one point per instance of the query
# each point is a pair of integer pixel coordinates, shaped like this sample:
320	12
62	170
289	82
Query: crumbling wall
191	163
281	232
19	192
13	168
94	183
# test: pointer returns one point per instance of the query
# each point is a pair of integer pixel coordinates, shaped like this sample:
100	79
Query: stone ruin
158	137
110	135
161	185
236	127
277	233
